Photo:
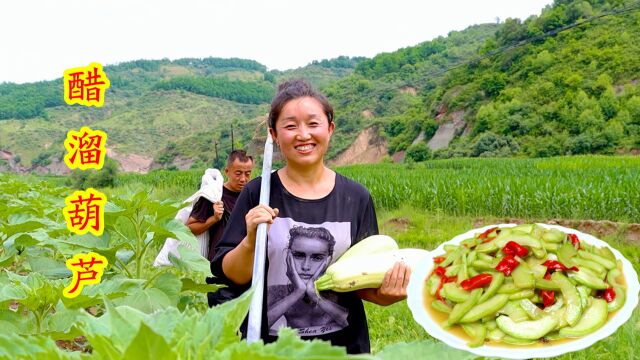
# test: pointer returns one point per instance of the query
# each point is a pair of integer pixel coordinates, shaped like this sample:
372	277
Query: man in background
212	217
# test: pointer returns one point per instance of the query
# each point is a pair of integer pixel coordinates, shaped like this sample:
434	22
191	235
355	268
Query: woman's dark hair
294	89
313	233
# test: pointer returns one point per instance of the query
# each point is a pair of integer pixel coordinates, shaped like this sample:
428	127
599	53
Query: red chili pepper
556	265
507	265
575	241
485	234
438	296
547	276
513	248
438	259
440	271
548	297
609	295
477	281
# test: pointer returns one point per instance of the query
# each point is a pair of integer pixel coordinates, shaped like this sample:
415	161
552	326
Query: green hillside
155	108
528	91
562	82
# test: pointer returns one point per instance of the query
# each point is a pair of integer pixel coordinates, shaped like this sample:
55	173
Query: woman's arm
237	264
393	288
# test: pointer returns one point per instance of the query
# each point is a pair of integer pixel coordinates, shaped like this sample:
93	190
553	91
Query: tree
105	177
419	152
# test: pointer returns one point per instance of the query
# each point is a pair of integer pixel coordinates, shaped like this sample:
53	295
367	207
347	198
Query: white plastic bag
210	189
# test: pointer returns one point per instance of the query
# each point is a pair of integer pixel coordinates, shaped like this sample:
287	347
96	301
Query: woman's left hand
394	285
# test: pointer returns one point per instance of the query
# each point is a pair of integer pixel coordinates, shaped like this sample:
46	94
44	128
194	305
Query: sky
39	39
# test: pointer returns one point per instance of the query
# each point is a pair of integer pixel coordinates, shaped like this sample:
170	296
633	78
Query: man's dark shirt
203	209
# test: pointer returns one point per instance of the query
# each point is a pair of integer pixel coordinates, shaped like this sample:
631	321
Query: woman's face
303	131
309	254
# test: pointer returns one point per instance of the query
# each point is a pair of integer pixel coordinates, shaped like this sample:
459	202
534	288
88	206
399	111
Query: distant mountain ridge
511	89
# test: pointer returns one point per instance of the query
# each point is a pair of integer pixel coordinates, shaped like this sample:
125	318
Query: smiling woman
315	215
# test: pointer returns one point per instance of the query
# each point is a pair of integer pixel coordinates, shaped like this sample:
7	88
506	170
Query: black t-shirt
306	237
203	209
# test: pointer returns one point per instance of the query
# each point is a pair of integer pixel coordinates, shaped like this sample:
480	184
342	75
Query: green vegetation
392	86
566	187
412	207
29	100
572	93
137	310
105	177
238	91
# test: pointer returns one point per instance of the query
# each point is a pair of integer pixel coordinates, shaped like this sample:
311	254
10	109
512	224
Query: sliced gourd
593	318
530	330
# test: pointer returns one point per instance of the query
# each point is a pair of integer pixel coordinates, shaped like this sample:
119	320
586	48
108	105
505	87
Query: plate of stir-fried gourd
542	290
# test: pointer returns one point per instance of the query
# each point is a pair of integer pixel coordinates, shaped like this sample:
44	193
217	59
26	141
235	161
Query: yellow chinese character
86	149
86	269
85	212
85	85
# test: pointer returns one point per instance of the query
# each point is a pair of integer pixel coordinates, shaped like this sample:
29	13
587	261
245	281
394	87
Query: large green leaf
175	229
13	346
63	324
190	285
48	267
8	255
22	222
146	300
16	322
111	333
218	328
39	292
10	291
37	237
149	345
88	242
169	284
437	350
288	346
191	262
112	288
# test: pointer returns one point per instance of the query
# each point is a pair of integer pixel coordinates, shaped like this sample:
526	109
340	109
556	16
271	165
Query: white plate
416	304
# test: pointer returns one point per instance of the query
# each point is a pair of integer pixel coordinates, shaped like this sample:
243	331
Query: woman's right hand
258	215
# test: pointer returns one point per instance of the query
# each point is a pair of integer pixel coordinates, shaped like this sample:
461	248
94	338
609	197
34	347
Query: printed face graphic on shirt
309	255
299	254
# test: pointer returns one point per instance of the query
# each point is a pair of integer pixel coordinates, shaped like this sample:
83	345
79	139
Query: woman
305	193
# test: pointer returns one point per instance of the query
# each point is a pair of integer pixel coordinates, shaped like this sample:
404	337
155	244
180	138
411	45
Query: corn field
587	187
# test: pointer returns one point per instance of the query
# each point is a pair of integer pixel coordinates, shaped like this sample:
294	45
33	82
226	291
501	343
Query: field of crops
571	188
581	187
139	311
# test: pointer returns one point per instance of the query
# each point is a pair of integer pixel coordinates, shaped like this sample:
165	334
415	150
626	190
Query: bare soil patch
368	148
80	343
400	224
